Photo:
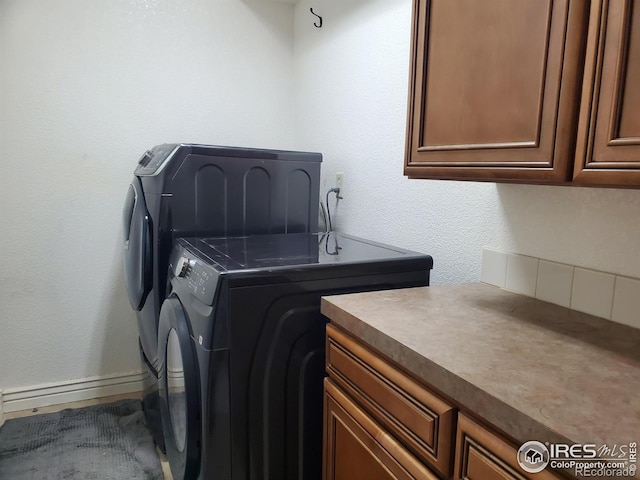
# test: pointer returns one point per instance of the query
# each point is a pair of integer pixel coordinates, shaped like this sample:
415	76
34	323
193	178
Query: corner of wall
1	410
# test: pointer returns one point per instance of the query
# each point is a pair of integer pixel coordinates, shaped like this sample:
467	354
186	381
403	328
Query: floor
86	403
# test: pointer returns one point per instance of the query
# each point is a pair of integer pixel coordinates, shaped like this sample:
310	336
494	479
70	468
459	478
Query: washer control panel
197	276
182	267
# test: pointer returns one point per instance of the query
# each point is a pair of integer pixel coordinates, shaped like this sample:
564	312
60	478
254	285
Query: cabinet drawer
356	448
481	454
419	419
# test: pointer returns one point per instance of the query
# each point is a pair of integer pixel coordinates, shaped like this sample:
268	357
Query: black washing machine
241	347
182	190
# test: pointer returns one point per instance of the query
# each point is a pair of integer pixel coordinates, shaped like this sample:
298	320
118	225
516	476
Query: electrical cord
337	192
324	216
337	248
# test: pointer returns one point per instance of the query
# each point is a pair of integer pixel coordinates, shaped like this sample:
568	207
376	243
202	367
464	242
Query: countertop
534	370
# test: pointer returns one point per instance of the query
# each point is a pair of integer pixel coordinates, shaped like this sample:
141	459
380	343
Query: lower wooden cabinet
419	419
483	455
357	448
382	424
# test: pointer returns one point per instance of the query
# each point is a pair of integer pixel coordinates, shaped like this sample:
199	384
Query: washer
186	189
241	347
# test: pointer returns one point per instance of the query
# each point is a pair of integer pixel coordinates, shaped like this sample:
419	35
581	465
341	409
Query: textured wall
351	88
85	87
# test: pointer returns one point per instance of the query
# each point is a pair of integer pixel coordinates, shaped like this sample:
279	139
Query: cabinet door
356	448
608	147
494	89
419	419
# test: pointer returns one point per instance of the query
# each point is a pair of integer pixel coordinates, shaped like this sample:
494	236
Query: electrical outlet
340	183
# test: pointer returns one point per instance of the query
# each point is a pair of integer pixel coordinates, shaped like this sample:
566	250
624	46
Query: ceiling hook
314	23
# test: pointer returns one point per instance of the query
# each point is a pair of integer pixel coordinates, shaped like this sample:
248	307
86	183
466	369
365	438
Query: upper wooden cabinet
608	147
492	94
496	87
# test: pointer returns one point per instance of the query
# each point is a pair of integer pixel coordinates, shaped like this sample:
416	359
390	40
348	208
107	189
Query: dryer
188	189
241	347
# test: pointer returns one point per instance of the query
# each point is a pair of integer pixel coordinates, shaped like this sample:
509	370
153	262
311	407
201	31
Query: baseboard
175	377
45	395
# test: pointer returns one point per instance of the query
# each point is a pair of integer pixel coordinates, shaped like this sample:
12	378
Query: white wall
351	81
85	87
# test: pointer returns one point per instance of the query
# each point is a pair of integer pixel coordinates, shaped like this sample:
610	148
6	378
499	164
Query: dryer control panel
152	161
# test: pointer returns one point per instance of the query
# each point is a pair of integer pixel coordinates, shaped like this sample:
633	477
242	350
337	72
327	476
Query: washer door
179	391
138	265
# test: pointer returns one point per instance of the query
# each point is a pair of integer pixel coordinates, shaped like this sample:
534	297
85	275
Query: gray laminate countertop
535	370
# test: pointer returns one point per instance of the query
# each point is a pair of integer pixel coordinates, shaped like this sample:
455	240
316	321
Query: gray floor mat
105	442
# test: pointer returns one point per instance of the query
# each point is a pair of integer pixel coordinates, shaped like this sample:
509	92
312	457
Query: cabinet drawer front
356	448
482	454
419	419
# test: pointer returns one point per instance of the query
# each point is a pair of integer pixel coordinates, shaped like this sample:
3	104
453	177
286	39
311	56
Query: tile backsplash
601	294
521	274
554	283
494	267
626	301
592	292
